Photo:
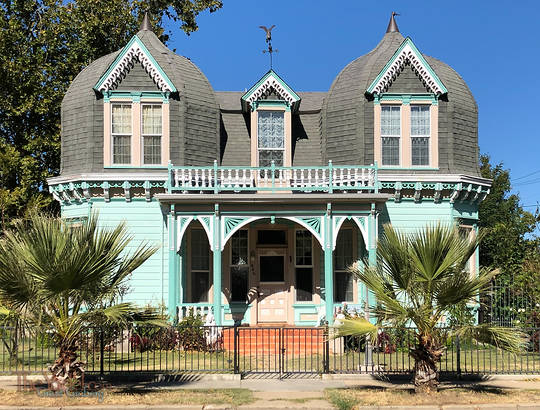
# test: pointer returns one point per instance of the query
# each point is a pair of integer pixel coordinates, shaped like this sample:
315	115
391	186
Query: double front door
272	306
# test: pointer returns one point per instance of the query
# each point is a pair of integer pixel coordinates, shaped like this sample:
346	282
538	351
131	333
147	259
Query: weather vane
270	50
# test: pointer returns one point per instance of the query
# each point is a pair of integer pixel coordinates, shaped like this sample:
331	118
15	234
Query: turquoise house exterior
259	201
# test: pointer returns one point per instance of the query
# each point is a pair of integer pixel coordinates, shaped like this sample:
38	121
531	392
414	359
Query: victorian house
260	200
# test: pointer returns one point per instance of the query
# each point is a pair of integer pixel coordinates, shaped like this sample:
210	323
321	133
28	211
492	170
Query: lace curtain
151	119
121	119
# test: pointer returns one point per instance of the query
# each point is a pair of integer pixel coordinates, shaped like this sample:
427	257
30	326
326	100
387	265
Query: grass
234	397
347	399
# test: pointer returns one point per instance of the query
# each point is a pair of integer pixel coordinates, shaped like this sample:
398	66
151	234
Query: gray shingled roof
194	112
347	115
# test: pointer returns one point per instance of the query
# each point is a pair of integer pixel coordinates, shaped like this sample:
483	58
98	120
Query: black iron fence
244	350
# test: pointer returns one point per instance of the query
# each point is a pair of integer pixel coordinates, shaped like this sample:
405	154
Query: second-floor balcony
326	179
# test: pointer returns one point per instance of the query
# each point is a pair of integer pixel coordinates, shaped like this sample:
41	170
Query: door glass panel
272	268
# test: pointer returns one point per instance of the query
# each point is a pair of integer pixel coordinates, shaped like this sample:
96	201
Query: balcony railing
217	179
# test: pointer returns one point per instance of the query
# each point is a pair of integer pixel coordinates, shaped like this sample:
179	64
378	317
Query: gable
408	82
407	54
270	87
134	53
137	79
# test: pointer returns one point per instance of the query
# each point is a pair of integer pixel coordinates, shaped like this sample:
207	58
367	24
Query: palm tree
64	279
418	279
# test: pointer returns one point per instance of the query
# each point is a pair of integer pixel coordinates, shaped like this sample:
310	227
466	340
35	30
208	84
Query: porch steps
269	341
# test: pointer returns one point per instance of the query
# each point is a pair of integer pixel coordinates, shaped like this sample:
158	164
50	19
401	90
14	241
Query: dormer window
271	138
136	129
270	104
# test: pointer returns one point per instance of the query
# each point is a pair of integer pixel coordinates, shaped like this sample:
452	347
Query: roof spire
145	25
392	26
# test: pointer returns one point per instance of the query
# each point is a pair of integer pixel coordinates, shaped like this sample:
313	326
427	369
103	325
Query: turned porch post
216	251
328	267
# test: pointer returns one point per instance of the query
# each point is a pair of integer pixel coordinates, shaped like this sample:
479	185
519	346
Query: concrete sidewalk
299	393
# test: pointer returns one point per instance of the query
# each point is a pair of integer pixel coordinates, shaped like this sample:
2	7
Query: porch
269	259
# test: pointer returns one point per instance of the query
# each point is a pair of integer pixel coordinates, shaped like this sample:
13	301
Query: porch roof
277	198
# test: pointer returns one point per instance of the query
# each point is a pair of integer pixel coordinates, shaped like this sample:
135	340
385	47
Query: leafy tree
63	279
505	223
43	45
419	278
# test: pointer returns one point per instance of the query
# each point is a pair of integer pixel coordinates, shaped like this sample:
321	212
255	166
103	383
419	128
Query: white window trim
259	148
287	125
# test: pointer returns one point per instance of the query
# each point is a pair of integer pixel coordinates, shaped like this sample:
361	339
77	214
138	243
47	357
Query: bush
191	335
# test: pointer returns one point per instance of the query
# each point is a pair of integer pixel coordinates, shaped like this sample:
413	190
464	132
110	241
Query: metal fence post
236	365
101	354
326	363
458	358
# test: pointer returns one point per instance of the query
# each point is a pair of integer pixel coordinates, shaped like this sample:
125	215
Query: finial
392	26
270	50
145	25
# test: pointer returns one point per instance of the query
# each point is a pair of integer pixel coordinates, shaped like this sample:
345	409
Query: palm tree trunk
426	356
66	370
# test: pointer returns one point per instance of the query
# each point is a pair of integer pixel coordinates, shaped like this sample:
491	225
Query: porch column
173	266
372	248
328	267
216	251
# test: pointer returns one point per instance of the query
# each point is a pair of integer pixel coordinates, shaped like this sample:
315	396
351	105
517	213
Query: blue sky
493	45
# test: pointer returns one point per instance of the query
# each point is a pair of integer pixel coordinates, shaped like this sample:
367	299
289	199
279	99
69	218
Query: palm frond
509	339
355	327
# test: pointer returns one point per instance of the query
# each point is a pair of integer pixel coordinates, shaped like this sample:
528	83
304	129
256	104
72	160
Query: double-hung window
239	266
304	265
200	266
121	133
151	133
420	132
270	138
391	134
343	258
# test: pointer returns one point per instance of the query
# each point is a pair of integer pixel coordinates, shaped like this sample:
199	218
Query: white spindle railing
308	179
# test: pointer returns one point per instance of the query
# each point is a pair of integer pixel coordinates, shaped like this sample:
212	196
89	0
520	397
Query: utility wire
525	176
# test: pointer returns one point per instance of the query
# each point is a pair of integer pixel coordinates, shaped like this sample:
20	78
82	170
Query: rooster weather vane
270	50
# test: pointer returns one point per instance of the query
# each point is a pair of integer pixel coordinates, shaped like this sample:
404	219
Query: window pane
420	123
239	283
271	130
239	248
390	120
200	285
343	255
152	149
303	248
420	150
344	287
121	119
272	268
200	250
151	119
304	284
267	156
271	237
121	149
390	151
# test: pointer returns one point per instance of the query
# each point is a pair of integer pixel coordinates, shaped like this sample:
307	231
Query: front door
273	295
